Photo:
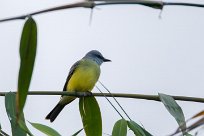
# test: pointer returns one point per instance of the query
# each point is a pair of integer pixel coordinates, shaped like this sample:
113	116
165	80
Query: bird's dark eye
99	56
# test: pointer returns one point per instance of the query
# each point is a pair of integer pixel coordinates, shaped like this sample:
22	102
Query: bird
82	77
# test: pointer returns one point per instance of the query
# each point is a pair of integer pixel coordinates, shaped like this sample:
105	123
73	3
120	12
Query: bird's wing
73	68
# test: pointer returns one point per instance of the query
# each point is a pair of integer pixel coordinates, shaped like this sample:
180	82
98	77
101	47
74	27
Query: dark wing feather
73	68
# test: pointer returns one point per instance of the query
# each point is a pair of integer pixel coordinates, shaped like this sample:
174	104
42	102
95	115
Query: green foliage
91	116
175	110
45	129
120	128
75	134
23	126
137	129
10	104
28	45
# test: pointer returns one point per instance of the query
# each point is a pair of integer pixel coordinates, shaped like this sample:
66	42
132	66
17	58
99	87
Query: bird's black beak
106	60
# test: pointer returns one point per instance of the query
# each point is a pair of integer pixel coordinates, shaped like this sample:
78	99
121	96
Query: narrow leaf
91	116
174	109
45	129
201	113
10	99
28	45
195	125
137	129
120	128
23	126
75	134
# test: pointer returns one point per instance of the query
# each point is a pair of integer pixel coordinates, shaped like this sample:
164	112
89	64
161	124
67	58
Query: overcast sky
149	55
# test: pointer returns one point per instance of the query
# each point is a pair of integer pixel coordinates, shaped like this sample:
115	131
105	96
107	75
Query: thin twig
122	95
2	133
85	4
115	100
93	3
110	103
183	4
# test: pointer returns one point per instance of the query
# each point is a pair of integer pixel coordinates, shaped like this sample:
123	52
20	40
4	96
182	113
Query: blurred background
151	51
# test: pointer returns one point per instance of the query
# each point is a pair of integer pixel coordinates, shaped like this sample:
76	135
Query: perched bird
82	77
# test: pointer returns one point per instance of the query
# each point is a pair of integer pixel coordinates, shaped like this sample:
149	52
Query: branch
2	133
94	3
122	95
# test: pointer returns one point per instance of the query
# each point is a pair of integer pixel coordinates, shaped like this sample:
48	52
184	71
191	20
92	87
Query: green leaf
10	104
137	129
28	45
22	124
120	128
75	134
174	109
91	116
45	129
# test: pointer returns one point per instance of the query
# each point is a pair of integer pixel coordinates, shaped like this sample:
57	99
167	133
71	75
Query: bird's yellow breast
84	77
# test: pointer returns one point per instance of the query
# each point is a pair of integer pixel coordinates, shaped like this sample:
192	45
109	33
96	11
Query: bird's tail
58	108
55	112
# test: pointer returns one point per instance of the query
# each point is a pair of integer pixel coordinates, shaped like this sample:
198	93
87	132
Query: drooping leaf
120	128
137	129
10	104
91	116
28	45
23	126
45	129
75	134
175	110
195	124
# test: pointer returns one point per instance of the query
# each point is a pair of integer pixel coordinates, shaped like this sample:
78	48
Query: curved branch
183	4
74	5
93	3
121	95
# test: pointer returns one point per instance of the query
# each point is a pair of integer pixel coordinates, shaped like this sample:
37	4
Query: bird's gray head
96	56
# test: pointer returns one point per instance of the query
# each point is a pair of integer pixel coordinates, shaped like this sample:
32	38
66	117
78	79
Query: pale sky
149	55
